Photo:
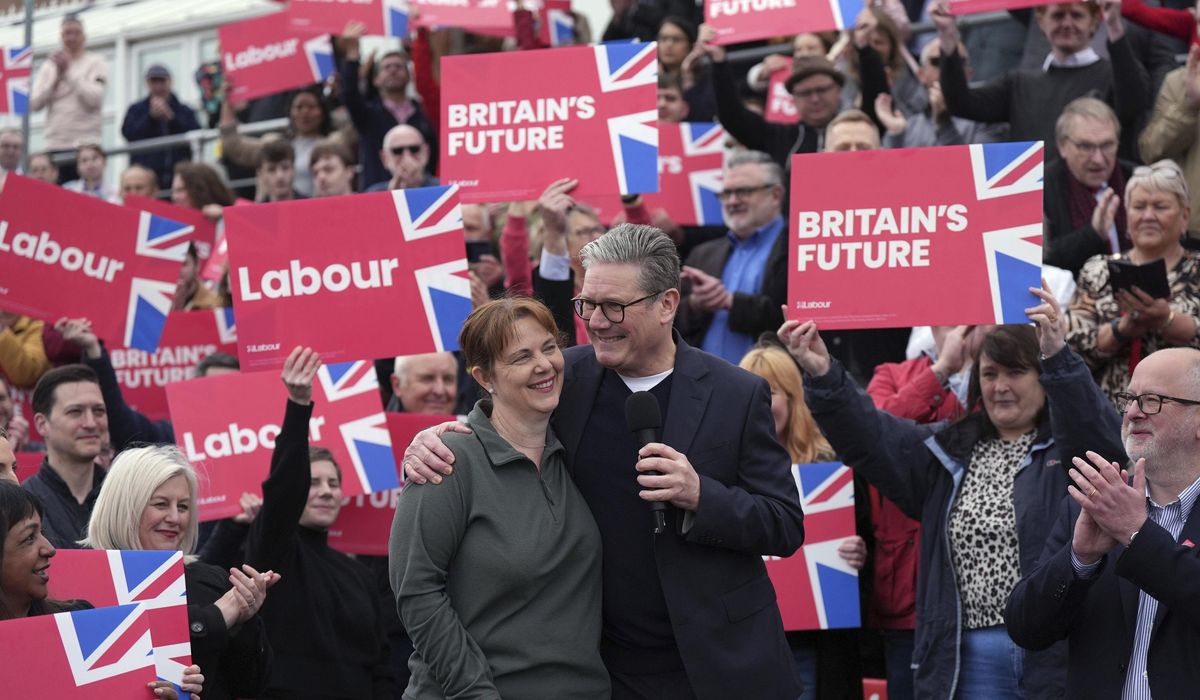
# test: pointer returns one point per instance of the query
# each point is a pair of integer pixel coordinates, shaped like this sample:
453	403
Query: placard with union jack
874	255
151	580
736	21
556	24
100	654
69	254
188	337
16	64
226	427
816	588
266	55
495	15
505	137
380	17
690	158
304	272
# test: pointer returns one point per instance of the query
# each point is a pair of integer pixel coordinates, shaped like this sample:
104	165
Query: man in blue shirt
738	282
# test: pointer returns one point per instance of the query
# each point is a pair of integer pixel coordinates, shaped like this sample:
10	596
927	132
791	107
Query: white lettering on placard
237	440
717	8
254	55
908	223
44	249
300	280
514	126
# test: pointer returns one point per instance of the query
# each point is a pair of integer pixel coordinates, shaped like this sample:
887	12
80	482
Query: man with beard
739	281
1121	576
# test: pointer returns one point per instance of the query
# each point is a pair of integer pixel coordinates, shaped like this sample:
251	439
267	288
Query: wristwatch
1115	324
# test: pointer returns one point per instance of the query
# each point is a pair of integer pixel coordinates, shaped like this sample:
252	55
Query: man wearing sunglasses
405	154
1120	576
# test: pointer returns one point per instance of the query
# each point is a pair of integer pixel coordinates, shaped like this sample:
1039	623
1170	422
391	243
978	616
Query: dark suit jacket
1097	616
722	604
1065	246
751	313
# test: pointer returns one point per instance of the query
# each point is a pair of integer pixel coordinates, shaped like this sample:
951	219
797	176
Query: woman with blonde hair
146	504
826	660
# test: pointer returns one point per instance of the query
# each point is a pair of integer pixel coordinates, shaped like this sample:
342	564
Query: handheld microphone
644	420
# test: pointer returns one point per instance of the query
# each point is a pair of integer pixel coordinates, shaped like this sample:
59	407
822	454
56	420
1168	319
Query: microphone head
642	412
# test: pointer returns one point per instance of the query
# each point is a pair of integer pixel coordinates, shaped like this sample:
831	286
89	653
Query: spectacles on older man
1088	148
1149	403
614	311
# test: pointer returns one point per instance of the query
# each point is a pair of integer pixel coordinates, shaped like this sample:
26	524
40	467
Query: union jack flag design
226	326
693	153
395	18
815	587
557	25
319	51
150	300
348	387
16	65
444	286
104	652
1014	254
151	581
633	137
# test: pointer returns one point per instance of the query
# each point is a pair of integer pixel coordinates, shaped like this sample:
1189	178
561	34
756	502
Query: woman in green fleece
497	570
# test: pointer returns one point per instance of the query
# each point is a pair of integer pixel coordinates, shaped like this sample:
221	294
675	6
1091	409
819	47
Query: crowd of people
1022	493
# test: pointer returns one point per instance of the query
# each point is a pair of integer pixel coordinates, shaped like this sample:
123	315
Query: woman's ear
481	378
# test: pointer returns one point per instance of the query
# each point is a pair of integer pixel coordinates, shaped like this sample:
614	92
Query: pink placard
227	425
310	269
505	135
265	55
877	254
68	254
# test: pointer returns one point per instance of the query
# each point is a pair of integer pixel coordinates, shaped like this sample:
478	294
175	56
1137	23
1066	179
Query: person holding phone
1113	327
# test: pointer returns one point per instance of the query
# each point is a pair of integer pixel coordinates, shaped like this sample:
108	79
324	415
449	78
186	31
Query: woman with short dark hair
497	571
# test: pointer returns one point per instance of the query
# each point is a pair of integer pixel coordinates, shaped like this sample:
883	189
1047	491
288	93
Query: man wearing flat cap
815	84
160	114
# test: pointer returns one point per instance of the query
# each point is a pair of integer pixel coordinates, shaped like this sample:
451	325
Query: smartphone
478	249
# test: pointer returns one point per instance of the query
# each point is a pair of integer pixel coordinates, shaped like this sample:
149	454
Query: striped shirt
1171	518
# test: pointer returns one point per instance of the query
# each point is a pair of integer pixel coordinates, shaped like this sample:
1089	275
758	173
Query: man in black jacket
160	114
1084	188
739	281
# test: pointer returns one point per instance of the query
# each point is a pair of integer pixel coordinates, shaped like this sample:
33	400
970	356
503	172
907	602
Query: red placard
305	271
495	15
381	17
967	7
690	158
226	426
28	464
781	106
189	336
916	223
265	55
105	652
505	135
556	24
365	522
69	254
204	231
746	20
152	580
816	588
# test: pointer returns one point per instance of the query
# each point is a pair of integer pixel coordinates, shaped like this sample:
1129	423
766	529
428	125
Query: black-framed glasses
1149	404
741	192
413	150
819	91
614	311
1088	148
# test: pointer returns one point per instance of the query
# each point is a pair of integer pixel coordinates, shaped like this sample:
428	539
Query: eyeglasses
1088	148
741	192
589	231
413	150
1149	404
614	311
814	92
1166	170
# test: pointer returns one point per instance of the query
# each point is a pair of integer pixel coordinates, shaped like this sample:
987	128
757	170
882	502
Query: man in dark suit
1120	577
160	114
690	612
738	282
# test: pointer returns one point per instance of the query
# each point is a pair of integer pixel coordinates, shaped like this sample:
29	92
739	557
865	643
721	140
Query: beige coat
1172	133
